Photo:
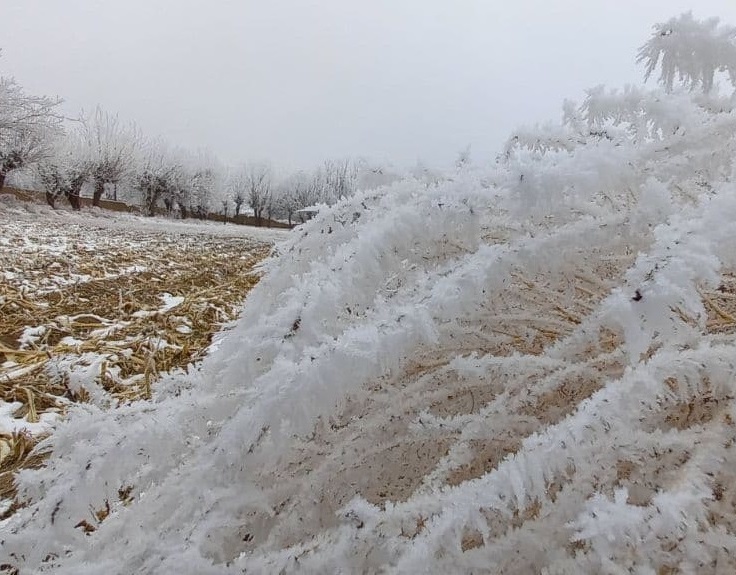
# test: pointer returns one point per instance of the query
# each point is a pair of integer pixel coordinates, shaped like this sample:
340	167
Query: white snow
30	336
11	424
170	302
512	370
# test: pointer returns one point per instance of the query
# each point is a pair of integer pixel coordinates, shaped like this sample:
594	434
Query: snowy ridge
514	369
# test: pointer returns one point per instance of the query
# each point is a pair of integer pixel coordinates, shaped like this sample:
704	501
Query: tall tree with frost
156	177
340	177
179	193
291	195
203	182
27	126
110	149
237	187
259	189
205	174
63	171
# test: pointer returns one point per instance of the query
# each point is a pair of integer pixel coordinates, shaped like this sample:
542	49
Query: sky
298	81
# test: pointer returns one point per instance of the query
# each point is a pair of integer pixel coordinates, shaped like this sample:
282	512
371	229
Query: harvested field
94	308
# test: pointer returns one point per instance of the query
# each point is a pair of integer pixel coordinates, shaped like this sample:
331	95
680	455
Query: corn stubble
99	307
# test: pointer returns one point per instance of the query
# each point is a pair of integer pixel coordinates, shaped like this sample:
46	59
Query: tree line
99	155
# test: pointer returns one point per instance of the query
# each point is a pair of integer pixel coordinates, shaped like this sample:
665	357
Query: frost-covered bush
510	370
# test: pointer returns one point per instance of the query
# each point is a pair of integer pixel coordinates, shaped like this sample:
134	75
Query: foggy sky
296	82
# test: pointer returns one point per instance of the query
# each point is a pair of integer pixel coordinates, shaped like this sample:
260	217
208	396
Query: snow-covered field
94	305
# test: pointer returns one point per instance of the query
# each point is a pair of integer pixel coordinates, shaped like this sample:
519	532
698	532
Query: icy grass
526	368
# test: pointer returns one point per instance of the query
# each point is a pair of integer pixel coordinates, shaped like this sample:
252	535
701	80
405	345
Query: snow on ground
28	211
94	306
525	368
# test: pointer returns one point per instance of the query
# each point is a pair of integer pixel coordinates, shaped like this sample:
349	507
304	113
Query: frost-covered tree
28	124
339	179
205	182
691	51
259	189
157	177
237	188
178	196
62	171
272	204
225	203
109	148
291	195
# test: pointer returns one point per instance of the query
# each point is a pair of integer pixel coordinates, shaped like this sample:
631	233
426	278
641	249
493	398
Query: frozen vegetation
525	367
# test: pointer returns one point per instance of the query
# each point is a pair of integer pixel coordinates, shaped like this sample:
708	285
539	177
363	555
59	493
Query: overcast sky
299	81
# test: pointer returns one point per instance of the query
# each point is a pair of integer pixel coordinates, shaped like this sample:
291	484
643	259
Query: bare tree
109	148
237	188
283	198
238	201
157	177
62	171
199	182
340	177
271	207
203	186
225	202
299	191
259	189
179	193
27	123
